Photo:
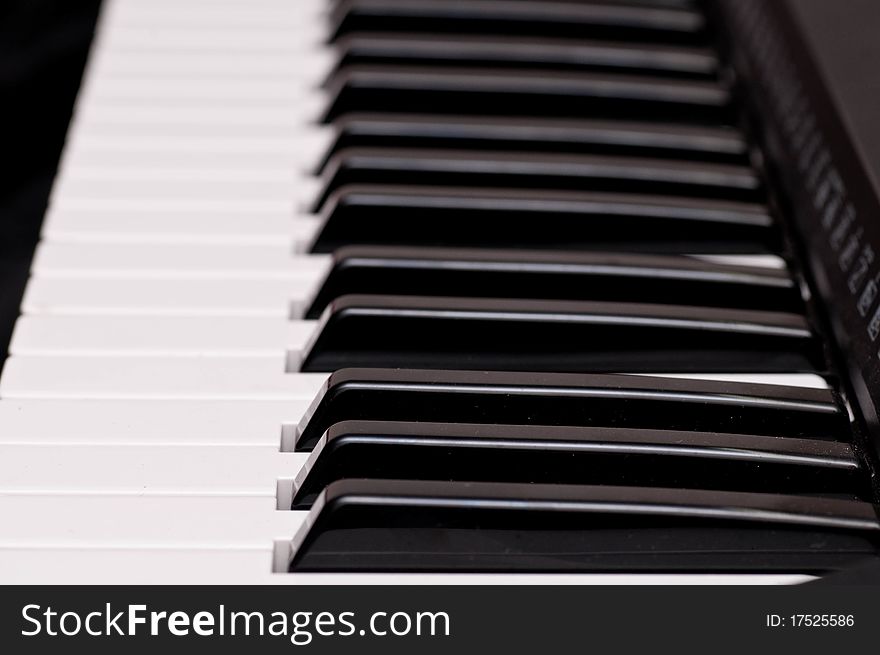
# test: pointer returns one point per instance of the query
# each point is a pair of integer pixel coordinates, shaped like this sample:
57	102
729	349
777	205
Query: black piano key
561	336
506	92
535	219
540	136
591	456
529	53
395	525
571	400
551	19
565	172
553	275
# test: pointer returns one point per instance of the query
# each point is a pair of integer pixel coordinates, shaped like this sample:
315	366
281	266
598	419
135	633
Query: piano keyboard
422	290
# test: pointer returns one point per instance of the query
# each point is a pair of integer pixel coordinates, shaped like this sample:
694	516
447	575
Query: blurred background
43	48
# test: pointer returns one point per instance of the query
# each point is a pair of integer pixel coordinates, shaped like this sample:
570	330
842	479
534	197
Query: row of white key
140	200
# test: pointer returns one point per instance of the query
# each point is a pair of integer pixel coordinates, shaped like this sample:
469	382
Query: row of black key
505	179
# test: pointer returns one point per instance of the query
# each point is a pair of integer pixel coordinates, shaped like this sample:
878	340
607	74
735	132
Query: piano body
446	291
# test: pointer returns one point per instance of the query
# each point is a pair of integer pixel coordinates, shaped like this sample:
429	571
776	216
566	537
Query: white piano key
199	89
183	114
292	145
180	378
205	16
212	566
312	65
133	520
150	29
280	40
126	34
305	70
145	470
161	204
245	229
241	156
272	163
107	422
216	5
190	261
110	296
246	110
199	15
174	63
124	30
138	336
100	131
126	186
114	565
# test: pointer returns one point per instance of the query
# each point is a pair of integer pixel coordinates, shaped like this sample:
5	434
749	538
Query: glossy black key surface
450	168
540	135
573	400
468	51
546	18
509	92
619	277
572	337
535	219
566	455
395	525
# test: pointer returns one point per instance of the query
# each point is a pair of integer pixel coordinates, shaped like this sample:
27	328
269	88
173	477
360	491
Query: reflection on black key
468	51
534	219
540	135
391	525
504	92
575	400
591	456
556	19
451	168
583	337
553	275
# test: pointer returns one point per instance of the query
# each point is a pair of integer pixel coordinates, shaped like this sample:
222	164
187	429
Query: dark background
43	48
